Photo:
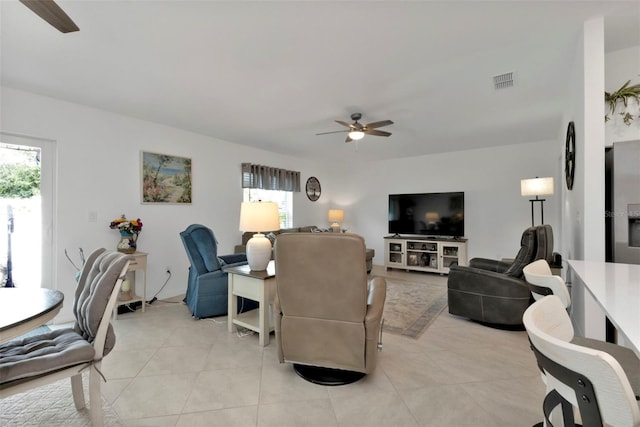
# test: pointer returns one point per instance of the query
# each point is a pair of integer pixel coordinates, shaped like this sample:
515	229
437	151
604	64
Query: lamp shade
336	215
356	135
259	216
536	187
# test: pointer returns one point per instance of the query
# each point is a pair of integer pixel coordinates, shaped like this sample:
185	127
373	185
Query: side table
139	263
258	286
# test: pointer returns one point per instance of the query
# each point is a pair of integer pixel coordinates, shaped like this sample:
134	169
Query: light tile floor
170	370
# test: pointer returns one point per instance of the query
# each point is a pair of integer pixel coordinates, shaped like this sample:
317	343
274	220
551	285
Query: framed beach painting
165	178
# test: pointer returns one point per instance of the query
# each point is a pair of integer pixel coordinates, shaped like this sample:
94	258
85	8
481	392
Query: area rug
51	405
411	307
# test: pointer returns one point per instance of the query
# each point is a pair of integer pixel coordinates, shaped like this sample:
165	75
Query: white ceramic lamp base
258	252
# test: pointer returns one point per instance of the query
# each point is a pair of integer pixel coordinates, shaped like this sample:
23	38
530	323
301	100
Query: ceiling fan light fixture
356	135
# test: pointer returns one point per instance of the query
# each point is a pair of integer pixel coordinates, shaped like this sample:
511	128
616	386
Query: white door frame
48	175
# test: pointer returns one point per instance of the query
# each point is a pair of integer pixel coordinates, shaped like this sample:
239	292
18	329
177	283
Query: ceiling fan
358	130
52	13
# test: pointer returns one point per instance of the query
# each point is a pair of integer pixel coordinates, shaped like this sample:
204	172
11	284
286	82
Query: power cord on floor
155	297
240	331
244	332
214	320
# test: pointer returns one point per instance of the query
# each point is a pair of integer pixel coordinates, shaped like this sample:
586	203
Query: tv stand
428	254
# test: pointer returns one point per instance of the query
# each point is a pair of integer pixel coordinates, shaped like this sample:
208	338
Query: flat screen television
427	214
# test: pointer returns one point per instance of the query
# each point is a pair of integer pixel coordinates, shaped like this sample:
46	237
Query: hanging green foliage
624	94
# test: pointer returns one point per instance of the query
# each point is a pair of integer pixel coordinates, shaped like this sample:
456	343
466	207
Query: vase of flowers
129	230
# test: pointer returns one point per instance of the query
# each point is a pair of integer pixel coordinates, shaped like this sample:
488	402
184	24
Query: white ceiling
273	74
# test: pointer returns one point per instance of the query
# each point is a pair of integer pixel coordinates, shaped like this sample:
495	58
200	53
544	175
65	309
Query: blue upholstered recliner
207	286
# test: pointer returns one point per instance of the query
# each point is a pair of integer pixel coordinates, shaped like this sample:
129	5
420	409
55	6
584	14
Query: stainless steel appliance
624	194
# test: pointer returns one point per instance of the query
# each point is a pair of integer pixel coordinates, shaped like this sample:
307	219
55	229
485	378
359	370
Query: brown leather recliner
327	313
495	292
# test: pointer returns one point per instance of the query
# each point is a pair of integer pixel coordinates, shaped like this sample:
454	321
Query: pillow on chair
37	354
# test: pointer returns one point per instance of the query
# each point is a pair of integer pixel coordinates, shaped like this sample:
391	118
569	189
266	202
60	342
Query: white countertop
616	288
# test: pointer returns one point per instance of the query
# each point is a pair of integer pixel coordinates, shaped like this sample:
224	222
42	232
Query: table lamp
259	217
336	216
537	187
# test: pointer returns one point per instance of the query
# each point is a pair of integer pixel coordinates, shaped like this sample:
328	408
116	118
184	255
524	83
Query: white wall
495	212
620	66
583	207
98	161
99	171
593	172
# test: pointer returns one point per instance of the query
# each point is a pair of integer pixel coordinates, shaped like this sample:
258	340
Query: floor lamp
537	187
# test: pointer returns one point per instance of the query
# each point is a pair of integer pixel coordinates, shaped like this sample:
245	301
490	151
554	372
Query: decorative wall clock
570	156
313	189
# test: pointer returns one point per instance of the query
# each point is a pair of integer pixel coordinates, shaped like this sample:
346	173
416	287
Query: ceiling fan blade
379	124
344	123
335	131
377	132
52	13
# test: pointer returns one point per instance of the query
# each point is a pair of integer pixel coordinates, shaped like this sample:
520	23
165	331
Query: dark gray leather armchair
493	291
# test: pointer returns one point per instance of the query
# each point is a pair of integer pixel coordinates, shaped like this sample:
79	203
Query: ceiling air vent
503	81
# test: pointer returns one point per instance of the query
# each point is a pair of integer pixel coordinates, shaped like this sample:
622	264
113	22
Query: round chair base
327	376
501	326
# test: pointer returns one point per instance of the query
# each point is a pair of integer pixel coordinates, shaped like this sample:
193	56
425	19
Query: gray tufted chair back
97	279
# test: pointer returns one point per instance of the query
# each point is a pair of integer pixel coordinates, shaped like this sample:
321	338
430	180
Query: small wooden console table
258	286
139	263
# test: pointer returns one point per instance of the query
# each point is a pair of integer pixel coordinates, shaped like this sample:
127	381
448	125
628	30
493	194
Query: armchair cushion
526	254
489	264
229	260
202	238
544	245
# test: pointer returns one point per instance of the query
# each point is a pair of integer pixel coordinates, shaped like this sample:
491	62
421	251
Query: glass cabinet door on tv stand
394	253
424	253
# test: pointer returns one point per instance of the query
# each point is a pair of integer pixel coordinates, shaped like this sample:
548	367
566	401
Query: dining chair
543	282
33	361
581	379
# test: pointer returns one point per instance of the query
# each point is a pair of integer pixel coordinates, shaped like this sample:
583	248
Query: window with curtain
270	184
269	178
